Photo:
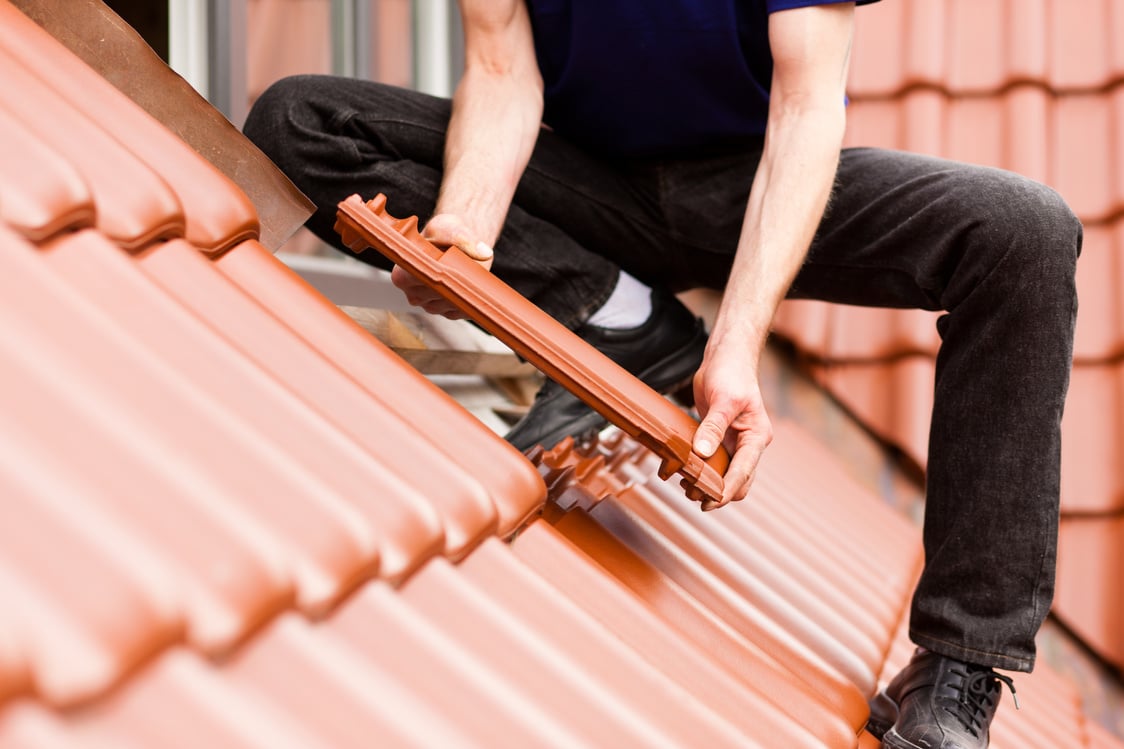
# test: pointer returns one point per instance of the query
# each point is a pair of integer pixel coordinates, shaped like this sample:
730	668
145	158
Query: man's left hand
729	401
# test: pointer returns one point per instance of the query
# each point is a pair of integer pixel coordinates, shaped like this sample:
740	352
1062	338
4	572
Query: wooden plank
407	338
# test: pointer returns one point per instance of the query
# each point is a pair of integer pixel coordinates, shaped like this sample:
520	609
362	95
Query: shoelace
976	696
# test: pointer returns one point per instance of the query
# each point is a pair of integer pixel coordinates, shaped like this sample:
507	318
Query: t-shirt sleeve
772	6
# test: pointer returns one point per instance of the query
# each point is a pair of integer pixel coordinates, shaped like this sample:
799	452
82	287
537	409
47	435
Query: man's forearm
492	132
786	203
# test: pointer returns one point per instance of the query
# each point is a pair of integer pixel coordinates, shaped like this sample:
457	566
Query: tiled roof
234	519
1034	87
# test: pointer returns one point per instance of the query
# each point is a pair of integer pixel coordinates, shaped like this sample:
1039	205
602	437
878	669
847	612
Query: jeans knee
272	122
1040	234
1048	220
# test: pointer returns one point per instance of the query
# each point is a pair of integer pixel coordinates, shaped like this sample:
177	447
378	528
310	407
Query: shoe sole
677	370
883	715
893	741
584	429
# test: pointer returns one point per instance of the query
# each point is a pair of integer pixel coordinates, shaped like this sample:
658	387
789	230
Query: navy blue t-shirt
646	77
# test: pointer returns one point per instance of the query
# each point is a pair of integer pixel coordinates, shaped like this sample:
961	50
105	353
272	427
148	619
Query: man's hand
444	230
729	401
497	110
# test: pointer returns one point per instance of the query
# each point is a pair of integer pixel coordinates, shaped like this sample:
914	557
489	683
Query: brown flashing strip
559	353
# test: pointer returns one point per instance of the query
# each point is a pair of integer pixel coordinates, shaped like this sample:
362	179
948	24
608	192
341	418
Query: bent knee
275	116
1028	226
1039	220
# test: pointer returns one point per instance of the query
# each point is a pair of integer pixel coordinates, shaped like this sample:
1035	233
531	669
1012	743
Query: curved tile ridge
546	343
984	46
135	206
217	213
41	195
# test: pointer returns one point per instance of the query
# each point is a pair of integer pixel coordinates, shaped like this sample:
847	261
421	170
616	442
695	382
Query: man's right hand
444	230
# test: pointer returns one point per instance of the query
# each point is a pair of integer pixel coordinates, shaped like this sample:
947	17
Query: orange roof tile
40	193
217	214
612	391
138	207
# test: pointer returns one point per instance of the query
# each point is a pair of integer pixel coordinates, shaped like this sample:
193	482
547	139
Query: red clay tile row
58	86
982	46
519	635
1051	715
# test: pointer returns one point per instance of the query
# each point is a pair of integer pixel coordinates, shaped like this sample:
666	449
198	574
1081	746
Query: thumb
711	431
447	229
475	250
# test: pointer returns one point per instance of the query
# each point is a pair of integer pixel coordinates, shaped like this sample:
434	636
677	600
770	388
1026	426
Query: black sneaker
664	353
937	703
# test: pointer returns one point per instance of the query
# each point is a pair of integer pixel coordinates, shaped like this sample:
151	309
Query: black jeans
994	250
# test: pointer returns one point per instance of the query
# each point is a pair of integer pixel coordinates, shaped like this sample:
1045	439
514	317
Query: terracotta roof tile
616	394
41	195
340	693
86	623
1100	277
789	668
134	205
1070	142
217	214
1100	738
747	705
405	534
894	398
225	576
425	659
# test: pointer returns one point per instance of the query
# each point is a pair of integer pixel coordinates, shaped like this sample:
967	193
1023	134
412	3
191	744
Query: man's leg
997	252
334	137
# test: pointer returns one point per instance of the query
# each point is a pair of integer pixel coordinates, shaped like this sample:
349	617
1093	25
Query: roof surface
234	519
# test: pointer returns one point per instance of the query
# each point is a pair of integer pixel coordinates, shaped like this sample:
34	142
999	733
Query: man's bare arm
497	111
811	48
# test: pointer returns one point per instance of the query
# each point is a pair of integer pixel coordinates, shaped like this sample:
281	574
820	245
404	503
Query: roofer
615	152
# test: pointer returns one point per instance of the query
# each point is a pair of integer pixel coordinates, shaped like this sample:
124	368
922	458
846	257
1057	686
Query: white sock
628	306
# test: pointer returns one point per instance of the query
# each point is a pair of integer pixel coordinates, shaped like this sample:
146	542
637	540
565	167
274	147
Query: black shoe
664	353
937	703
